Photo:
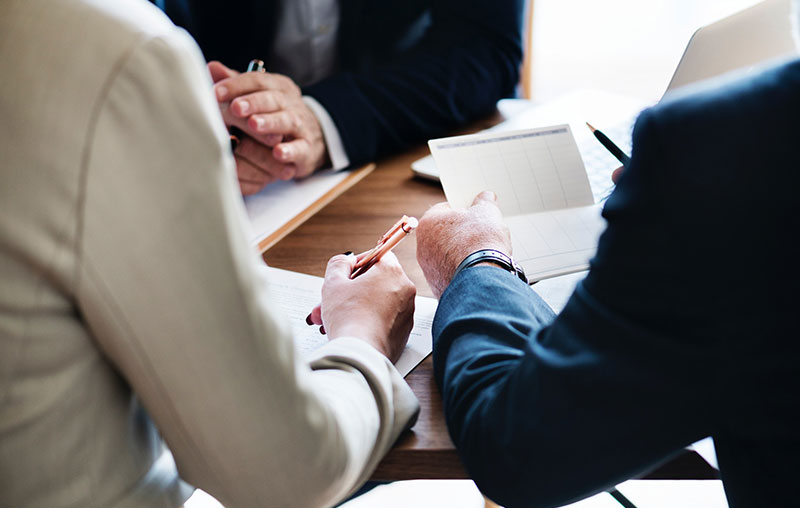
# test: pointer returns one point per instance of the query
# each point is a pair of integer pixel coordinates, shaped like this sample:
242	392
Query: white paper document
298	293
280	201
613	114
542	190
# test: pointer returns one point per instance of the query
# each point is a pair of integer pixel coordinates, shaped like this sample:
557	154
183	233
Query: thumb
340	267
616	174
219	71
483	196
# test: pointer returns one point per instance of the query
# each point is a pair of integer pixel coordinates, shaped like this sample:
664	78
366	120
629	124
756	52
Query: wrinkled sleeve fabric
178	301
468	59
548	409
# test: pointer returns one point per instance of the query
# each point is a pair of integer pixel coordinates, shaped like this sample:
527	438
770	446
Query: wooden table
353	222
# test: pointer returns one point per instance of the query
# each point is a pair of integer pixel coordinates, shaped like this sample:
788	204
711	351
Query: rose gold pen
386	243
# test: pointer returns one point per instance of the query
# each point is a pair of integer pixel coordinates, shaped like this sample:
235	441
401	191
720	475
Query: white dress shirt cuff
336	152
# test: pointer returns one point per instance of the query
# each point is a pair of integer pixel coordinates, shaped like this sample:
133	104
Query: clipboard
281	207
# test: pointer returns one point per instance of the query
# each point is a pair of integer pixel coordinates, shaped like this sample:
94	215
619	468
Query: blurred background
630	47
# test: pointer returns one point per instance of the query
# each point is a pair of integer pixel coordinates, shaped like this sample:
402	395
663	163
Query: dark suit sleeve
548	409
467	60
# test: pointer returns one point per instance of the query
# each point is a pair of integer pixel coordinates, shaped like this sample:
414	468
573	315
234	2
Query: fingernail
244	106
322	330
308	320
260	123
285	152
222	93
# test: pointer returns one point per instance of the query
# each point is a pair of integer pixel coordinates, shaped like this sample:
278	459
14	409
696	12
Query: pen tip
590	126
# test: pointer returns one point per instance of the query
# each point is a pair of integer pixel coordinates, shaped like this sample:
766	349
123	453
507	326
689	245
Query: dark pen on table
616	151
621	156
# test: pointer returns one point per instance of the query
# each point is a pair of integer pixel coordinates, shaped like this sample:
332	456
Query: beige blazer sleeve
176	299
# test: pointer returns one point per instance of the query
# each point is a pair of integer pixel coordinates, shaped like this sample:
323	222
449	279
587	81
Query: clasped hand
282	137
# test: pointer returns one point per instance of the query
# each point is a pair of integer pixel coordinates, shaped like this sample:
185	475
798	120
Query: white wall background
625	46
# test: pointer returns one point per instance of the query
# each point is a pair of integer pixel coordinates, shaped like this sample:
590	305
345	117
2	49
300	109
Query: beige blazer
132	305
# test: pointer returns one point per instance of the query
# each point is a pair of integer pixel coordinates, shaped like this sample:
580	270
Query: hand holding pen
616	151
358	265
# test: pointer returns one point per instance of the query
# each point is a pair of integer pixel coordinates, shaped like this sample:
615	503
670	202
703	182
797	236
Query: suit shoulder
125	17
95	30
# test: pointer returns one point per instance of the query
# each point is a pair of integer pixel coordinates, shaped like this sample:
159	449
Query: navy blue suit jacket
685	327
410	69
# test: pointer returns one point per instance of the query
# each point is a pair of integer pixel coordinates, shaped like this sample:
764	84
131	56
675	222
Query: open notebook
542	188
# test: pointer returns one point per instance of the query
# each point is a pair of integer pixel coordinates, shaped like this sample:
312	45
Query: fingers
284	123
486	199
364	254
340	267
291	151
219	71
265	101
389	260
616	174
258	155
232	120
250	82
280	122
250	188
485	196
485	206
251	178
387	263
436	210
315	317
257	159
298	153
387	273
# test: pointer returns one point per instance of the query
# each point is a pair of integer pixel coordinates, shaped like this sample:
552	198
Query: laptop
741	42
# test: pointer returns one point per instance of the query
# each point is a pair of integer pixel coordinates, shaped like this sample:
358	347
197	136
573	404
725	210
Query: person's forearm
545	411
176	301
482	332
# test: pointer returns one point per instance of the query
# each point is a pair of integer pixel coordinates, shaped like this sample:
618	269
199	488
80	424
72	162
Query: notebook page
298	293
548	244
279	201
531	170
542	189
